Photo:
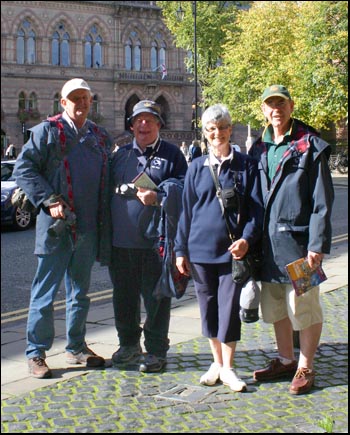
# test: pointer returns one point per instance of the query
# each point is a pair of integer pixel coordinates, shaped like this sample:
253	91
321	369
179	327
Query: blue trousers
218	297
134	273
73	264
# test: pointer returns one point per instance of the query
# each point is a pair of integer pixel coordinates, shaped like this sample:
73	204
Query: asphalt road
18	263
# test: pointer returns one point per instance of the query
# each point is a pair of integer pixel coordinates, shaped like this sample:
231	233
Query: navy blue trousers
218	297
134	274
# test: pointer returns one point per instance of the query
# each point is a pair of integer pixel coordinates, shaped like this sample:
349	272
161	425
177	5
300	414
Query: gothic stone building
121	48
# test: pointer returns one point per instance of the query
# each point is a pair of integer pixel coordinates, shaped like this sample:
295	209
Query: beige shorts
279	301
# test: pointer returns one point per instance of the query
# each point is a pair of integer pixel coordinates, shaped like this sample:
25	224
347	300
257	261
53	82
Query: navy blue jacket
40	172
202	234
130	217
298	200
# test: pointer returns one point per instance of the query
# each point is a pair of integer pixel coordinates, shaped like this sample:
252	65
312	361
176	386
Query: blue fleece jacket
202	234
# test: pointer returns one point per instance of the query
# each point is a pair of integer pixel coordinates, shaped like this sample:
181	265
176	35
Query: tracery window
26	43
56	103
93	48
60	46
158	54
133	53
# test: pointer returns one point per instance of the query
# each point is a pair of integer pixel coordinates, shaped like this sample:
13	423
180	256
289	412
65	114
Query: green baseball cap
276	91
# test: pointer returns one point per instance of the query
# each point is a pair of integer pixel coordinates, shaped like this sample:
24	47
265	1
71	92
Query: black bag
248	267
241	270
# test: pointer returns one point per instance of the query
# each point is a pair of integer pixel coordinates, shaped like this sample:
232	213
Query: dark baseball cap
276	91
147	106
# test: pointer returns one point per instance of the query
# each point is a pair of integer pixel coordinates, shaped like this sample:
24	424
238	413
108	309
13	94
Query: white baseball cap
73	85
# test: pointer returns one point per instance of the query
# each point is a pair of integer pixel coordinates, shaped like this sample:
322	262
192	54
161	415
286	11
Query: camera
20	199
126	190
61	225
230	199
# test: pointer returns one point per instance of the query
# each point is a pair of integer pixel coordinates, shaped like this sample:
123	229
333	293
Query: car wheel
22	220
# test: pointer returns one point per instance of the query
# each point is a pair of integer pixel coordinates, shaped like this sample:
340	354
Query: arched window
25	44
95	107
56	103
93	49
128	55
22	101
60	46
132	50
137	56
33	101
162	52
158	51
154	56
95	114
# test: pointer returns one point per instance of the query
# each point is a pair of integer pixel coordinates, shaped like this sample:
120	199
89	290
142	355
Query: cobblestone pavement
126	401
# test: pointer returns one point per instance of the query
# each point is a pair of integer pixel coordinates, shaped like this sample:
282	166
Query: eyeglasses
217	127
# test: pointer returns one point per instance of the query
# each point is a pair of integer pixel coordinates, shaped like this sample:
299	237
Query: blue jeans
74	265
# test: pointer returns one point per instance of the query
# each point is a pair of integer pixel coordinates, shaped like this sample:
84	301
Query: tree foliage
300	44
212	20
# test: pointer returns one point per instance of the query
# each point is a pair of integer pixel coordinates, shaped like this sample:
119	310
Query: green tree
302	45
322	89
213	18
240	51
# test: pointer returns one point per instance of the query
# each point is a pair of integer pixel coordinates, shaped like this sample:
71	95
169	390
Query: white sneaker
212	375
228	377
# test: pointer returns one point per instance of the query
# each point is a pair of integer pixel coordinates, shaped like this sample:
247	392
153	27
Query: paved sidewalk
79	400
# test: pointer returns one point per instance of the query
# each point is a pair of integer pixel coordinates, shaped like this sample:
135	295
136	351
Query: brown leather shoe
86	356
275	370
303	381
38	368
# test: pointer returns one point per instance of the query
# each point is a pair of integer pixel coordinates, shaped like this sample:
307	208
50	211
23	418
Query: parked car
10	214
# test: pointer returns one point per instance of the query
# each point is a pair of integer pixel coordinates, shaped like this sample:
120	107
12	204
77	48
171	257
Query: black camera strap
214	174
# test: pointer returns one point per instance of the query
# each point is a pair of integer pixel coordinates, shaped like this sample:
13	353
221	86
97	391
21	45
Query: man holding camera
64	169
136	267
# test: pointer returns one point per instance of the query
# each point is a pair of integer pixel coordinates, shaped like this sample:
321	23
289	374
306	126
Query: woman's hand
239	248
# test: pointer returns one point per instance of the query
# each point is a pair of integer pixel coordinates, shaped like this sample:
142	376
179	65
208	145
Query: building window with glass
60	46
26	43
93	49
133	52
158	50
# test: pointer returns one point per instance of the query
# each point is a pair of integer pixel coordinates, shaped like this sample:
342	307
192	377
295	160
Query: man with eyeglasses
136	266
298	194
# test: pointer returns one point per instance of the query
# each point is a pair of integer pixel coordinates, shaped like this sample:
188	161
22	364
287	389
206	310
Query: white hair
216	113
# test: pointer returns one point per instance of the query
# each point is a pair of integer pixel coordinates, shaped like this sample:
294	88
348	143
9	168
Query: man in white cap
63	169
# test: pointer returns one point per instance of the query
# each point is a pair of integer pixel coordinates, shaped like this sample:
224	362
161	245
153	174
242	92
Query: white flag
164	71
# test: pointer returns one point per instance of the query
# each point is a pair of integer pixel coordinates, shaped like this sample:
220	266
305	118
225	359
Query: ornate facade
121	48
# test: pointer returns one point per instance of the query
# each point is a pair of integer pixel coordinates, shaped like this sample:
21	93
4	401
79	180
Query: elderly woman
203	246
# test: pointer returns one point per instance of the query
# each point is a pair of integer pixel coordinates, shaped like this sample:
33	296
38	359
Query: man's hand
314	259
147	197
183	265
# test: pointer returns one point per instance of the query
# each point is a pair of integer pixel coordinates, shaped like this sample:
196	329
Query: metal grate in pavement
186	393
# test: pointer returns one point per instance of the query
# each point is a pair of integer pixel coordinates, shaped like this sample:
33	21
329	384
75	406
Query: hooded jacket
298	200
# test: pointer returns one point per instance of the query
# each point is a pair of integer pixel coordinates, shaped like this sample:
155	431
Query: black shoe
152	364
127	354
